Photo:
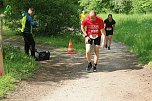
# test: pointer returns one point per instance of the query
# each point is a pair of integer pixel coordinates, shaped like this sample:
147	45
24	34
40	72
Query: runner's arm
104	37
85	34
83	30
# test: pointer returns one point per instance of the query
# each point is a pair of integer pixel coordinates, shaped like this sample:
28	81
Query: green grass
136	32
17	66
62	41
6	84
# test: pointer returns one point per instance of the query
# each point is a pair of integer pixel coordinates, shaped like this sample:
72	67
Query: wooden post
1	55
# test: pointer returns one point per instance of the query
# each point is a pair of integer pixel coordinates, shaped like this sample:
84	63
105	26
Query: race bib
93	36
108	28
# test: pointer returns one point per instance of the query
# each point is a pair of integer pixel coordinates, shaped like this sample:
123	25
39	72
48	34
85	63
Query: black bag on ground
44	55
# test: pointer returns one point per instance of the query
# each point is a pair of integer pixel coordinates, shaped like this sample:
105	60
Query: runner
109	28
94	25
83	16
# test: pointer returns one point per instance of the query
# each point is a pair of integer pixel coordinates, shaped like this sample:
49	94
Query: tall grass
136	32
17	66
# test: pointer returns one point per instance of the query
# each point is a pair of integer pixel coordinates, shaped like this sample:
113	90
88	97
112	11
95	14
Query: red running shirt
93	27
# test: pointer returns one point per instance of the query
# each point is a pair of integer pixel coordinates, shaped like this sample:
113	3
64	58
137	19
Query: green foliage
14	68
150	64
142	6
122	6
53	16
98	5
6	84
118	6
135	31
8	10
14	60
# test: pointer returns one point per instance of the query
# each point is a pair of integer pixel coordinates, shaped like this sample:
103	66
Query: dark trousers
29	44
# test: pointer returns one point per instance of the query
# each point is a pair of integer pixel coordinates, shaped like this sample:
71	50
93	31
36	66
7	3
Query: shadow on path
63	66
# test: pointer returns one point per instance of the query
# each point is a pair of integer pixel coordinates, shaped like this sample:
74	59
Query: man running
27	24
94	25
109	28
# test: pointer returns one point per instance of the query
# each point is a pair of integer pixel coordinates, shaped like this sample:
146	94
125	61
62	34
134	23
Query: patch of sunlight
150	64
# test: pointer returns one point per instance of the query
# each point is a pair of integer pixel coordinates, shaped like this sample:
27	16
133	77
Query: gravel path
63	78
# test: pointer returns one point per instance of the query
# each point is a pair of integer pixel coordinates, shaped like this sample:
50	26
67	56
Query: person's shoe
95	68
106	46
109	48
89	67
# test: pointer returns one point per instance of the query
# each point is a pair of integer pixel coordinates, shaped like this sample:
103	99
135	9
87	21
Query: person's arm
33	24
102	26
104	37
105	23
83	30
85	34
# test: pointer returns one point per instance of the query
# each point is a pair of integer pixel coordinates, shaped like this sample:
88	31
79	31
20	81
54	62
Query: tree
142	6
117	6
54	16
99	5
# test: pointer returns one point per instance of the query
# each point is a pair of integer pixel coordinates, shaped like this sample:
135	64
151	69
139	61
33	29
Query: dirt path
63	78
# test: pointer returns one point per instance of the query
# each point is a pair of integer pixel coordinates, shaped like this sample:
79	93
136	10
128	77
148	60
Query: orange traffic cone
70	50
1	65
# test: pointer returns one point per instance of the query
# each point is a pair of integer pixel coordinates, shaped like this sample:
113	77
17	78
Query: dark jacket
27	23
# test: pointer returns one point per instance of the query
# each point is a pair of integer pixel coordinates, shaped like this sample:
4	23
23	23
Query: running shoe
106	46
109	48
89	67
94	68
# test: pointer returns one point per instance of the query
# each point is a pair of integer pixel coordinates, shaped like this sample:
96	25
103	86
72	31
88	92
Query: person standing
93	25
27	25
109	28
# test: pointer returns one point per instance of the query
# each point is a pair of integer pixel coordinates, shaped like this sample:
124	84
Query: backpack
44	55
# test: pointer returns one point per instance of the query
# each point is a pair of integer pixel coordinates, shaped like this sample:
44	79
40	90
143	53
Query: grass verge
14	68
136	32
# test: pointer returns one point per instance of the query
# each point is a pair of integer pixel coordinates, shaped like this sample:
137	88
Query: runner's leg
106	42
88	52
96	53
109	41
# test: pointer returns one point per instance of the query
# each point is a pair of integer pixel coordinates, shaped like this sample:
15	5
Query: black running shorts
109	33
96	41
